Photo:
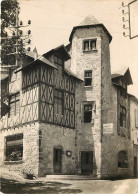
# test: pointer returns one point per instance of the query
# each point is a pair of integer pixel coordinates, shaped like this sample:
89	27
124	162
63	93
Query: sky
53	20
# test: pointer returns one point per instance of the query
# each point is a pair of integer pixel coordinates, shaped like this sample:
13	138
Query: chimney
35	53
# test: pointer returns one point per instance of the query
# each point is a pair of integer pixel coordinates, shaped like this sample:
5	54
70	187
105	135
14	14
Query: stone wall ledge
13	162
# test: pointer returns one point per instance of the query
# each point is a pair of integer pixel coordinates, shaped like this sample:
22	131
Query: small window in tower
88	78
87	113
89	45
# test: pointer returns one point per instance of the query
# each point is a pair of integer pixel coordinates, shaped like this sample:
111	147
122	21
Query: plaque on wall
108	128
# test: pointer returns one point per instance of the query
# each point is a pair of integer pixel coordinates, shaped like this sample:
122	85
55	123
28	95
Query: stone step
70	177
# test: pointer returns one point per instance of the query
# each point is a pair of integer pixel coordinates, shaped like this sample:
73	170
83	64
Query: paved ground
128	186
51	186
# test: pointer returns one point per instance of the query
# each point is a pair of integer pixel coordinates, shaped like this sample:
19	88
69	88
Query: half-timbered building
64	113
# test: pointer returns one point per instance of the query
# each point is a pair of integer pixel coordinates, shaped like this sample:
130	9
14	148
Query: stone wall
56	137
112	143
29	164
88	134
134	129
95	136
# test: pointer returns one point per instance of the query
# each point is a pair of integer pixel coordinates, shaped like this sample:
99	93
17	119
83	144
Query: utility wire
58	12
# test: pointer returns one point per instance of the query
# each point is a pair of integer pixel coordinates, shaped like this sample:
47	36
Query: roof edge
92	25
55	49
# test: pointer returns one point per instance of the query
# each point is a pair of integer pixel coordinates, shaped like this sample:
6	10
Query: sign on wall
108	128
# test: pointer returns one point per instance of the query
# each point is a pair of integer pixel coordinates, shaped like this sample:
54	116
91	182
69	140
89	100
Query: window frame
57	64
17	141
15	101
123	164
90	41
87	77
56	97
87	111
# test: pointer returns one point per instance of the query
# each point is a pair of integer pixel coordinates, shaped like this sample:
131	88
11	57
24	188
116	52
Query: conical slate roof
89	20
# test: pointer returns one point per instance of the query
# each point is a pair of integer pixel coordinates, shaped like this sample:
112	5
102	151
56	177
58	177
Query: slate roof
61	49
40	58
90	21
123	72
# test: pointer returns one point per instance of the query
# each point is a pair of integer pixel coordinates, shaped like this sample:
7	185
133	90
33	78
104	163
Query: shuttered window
136	118
14	104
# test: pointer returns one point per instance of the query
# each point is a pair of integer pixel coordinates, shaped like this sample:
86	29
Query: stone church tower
90	60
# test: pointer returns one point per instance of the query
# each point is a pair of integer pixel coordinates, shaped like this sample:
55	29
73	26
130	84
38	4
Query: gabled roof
123	72
90	21
39	59
61	49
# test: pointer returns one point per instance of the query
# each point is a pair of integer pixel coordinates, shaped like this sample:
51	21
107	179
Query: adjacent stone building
67	114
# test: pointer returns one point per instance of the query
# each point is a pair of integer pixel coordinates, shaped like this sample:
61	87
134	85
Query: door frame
91	164
60	162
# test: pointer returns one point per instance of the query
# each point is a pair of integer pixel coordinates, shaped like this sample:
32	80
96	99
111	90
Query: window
89	45
88	78
123	92
122	159
14	104
122	116
58	102
136	117
14	147
87	113
59	64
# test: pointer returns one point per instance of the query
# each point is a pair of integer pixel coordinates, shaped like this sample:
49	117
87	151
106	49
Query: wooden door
135	166
57	160
86	162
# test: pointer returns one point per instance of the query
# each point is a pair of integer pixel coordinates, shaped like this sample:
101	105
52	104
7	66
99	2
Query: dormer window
59	64
89	45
